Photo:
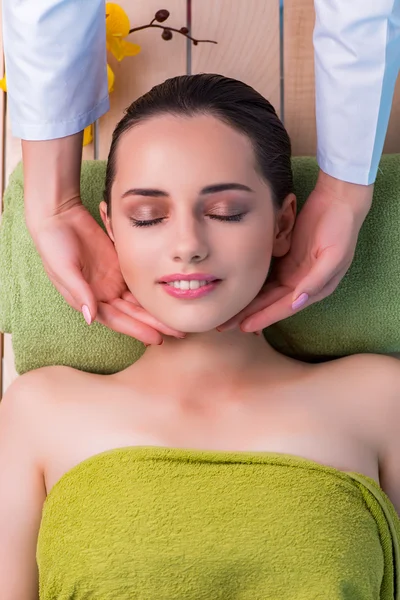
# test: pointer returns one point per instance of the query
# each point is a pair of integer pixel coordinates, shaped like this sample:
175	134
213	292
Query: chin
197	317
191	325
196	320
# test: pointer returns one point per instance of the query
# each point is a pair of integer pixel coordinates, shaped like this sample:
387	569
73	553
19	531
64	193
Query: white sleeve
357	59
56	66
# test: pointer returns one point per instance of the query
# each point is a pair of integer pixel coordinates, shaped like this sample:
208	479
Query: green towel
166	524
361	316
45	330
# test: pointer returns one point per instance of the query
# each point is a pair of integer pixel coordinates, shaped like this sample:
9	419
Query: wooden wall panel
157	60
298	60
299	89
247	33
392	142
12	148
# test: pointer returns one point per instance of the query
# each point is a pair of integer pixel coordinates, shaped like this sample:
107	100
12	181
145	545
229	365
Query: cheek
249	257
253	252
135	258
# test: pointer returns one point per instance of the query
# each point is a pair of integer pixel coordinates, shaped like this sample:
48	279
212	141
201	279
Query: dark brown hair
229	100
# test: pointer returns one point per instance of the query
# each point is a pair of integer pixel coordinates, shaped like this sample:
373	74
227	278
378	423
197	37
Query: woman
198	199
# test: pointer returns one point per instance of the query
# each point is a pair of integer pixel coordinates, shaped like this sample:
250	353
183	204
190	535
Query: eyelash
230	219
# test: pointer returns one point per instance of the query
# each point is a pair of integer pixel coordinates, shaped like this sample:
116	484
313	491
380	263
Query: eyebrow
223	187
209	189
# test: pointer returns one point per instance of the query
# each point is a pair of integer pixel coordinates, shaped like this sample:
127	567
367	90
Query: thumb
77	292
321	273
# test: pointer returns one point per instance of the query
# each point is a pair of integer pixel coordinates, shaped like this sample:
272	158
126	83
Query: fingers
283	308
76	291
129	297
271	293
324	270
135	311
119	321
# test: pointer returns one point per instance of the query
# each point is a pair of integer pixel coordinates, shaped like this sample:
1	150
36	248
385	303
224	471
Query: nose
190	242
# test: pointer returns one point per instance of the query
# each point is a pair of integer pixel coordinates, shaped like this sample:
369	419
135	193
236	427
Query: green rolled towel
157	523
45	330
362	315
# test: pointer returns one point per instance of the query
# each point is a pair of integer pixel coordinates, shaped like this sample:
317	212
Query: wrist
356	195
52	170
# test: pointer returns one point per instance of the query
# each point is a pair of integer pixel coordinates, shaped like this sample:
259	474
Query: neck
208	361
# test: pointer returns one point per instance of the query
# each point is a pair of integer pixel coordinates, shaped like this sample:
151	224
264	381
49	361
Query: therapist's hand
81	262
77	254
323	245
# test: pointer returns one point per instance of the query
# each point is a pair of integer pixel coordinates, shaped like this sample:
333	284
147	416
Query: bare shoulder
36	385
368	372
24	423
33	395
373	381
365	390
380	389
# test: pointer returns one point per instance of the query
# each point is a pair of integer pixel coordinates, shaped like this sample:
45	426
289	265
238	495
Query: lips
187	277
189	285
184	289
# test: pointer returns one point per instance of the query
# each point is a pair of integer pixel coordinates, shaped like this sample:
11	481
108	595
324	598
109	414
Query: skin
192	237
222	391
77	255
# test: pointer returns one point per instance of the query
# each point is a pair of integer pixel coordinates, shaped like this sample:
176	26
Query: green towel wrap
149	523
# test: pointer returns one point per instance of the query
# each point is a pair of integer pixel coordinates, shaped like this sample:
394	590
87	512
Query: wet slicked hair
234	103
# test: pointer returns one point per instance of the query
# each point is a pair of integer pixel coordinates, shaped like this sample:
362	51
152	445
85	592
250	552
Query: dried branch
161	16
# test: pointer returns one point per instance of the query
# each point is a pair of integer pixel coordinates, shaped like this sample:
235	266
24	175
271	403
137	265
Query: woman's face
193	223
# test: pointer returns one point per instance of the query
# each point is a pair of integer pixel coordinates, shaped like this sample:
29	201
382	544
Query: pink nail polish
86	314
300	301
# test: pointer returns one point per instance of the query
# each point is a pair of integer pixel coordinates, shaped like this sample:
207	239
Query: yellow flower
117	28
3	83
88	135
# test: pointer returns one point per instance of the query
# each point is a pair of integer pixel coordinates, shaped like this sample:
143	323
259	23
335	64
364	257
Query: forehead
197	147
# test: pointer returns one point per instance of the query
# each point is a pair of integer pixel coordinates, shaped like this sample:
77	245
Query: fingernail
182	337
257	332
300	301
147	345
218	329
86	314
161	343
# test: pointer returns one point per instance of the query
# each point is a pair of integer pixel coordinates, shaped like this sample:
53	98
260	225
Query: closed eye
236	218
137	223
149	223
